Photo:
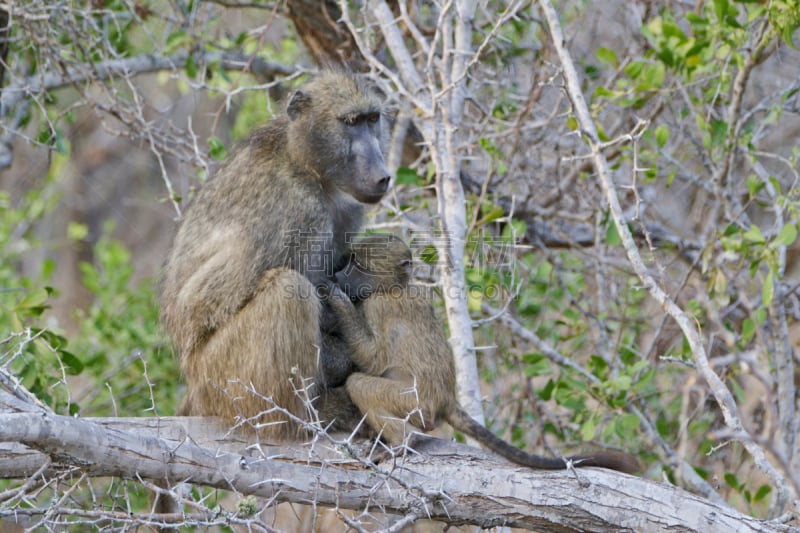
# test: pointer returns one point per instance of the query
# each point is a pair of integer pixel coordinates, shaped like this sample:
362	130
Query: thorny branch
789	488
417	486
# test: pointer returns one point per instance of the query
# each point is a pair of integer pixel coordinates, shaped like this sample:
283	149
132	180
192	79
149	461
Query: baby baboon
240	293
406	365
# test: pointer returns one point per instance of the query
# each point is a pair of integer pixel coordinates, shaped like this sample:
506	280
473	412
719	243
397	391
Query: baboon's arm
357	332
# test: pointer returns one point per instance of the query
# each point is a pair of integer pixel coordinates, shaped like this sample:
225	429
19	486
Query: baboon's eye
355	120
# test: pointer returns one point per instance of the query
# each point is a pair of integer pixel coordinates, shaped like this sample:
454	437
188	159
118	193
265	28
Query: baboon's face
337	129
366	177
378	263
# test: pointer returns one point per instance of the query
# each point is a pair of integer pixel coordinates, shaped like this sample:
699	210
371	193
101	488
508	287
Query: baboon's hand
337	297
328	291
334	298
331	306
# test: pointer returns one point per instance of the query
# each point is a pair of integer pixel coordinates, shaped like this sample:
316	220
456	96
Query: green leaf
696	19
768	290
719	287
35	298
601	134
489	147
629	421
241	38
77	231
429	255
607	56
754	185
72	365
601	91
788	36
731	229
546	392
474	299
219	69
217	149
732	481
775	184
662	135
535	365
786	236
652	76
588	429
175	40
572	123
748	330
612	235
760	315
634	69
762	492
721	8
191	67
754	235
719	130
494	213
620	383
407	176
597	365
638	366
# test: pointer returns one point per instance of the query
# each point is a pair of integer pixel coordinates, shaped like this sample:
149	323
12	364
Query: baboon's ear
297	104
377	91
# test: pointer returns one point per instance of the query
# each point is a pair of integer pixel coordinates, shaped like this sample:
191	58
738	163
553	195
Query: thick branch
326	38
453	483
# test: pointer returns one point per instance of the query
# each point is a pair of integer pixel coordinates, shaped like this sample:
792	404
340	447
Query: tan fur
238	293
406	362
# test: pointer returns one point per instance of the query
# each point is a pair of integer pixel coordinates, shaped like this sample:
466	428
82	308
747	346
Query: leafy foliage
119	345
121	341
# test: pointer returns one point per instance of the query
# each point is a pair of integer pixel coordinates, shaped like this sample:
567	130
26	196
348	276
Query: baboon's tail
461	421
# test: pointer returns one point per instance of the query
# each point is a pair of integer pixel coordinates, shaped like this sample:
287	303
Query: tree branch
142	64
456	483
722	395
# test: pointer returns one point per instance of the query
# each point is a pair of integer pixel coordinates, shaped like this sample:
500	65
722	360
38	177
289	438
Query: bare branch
790	489
488	493
142	64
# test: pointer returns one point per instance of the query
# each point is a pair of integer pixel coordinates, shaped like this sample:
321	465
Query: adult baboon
407	377
240	294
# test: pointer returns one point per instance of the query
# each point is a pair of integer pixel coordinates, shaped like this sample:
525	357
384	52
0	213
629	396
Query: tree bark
327	40
452	483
